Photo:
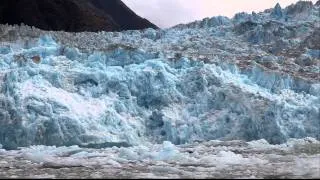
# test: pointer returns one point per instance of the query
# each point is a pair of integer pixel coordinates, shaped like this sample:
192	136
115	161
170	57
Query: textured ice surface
251	77
298	158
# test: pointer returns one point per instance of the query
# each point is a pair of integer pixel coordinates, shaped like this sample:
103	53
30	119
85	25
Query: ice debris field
210	159
252	77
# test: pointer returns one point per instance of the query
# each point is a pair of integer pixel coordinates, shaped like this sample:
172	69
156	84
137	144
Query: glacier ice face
134	87
103	98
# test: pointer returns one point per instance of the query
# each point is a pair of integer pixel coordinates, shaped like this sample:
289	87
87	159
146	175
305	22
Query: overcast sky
166	13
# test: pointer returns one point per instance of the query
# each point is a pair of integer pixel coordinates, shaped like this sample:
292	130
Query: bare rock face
72	15
122	15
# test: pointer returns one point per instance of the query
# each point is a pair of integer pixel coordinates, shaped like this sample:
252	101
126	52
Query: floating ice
297	158
168	152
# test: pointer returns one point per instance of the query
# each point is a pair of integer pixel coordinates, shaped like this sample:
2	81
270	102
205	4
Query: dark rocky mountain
72	15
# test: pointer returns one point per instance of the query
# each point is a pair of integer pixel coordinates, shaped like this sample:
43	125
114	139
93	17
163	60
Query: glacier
252	77
220	97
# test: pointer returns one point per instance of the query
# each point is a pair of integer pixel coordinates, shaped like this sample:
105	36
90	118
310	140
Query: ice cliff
256	76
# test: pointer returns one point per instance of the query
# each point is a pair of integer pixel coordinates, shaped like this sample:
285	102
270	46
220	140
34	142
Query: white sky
166	13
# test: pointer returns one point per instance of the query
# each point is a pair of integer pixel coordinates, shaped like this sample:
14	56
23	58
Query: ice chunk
168	152
128	154
229	157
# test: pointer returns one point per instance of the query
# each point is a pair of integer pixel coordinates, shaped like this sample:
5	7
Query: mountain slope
72	15
123	15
